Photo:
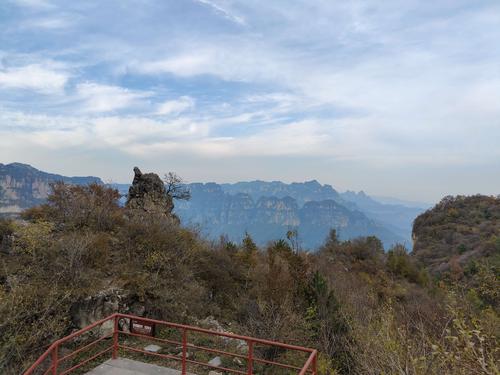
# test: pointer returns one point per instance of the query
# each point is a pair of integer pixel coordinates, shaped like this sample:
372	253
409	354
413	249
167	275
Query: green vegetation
366	311
457	230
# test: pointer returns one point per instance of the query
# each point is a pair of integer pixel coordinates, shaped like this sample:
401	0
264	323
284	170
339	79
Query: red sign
141	327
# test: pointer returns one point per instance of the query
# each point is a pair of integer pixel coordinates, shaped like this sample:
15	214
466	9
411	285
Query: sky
396	98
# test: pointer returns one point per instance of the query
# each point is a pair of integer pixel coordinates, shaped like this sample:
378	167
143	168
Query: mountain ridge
267	210
216	207
23	186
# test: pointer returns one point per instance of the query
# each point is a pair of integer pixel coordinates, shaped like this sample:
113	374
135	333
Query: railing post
315	363
184	350
54	359
115	337
250	358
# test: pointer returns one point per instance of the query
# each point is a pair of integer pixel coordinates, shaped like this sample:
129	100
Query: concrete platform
124	366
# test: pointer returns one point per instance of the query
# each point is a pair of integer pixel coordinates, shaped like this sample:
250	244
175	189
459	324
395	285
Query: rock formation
99	306
148	194
267	218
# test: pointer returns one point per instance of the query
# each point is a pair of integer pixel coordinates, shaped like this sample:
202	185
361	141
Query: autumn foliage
366	310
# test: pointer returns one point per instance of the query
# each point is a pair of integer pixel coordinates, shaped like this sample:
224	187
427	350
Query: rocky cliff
148	194
22	186
220	209
302	192
396	218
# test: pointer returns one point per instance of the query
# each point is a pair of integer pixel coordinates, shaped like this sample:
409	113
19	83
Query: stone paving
124	366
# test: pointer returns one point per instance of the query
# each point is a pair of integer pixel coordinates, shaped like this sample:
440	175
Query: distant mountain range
22	186
266	210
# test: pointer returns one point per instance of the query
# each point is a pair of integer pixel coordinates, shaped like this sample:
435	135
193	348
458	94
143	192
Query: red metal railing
55	367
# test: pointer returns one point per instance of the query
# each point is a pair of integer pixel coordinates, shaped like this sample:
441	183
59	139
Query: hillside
457	231
82	256
22	186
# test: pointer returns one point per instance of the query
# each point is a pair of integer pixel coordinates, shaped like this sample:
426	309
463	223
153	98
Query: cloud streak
224	12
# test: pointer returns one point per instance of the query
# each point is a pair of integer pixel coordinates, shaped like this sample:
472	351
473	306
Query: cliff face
317	218
396	217
302	192
220	211
273	210
22	186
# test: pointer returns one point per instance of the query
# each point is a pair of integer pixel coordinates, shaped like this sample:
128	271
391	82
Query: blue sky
398	98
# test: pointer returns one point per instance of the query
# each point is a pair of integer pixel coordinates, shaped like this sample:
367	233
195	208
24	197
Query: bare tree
175	186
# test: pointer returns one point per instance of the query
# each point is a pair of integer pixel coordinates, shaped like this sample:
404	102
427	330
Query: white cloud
174	107
231	60
127	132
104	98
120	132
184	65
49	23
382	83
43	4
36	77
223	11
139	138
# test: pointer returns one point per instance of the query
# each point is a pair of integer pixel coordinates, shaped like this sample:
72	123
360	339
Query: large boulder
148	194
86	311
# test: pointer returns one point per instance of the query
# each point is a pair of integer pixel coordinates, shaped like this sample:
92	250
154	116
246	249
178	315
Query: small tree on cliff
175	186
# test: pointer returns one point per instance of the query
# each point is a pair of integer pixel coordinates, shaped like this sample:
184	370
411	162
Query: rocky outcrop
148	194
99	306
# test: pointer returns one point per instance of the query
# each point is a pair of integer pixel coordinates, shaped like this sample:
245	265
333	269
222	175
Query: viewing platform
131	345
123	366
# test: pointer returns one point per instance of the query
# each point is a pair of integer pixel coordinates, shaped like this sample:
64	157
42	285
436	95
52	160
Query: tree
332	242
328	323
175	186
292	236
250	250
77	206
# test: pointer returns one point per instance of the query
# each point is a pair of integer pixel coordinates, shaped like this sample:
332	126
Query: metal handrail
310	365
